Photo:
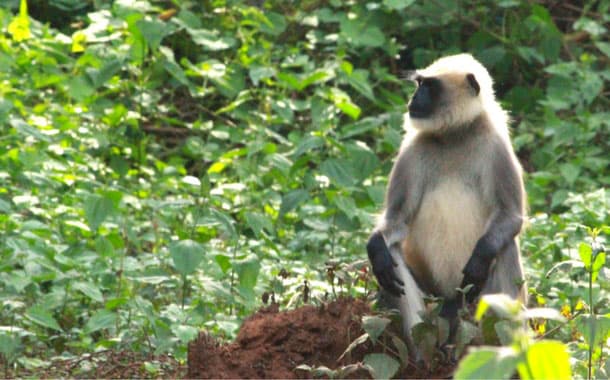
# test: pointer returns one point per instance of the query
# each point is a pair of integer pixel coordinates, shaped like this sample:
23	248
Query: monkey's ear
472	81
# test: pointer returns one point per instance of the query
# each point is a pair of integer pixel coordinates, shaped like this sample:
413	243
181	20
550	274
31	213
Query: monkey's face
450	93
424	102
444	101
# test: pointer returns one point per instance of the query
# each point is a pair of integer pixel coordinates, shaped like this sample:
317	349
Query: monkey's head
451	92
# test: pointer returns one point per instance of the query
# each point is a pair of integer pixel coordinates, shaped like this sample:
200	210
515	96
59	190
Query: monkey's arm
383	264
504	226
392	227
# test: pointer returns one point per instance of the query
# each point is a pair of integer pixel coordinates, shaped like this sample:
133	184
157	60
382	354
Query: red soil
271	344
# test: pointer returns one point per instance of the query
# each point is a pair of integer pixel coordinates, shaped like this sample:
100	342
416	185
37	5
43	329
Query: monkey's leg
506	275
394	277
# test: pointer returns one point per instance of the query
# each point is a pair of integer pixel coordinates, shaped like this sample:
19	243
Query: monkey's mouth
418	114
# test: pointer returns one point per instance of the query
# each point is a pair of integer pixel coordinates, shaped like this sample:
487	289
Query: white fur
412	302
462	64
392	234
449	222
464	109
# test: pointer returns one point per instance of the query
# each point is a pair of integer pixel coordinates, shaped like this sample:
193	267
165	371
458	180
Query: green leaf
381	366
176	71
586	254
604	47
339	171
349	108
292	200
89	289
103	75
274	23
80	88
257	73
361	34
10	345
97	209
598	264
42	317
186	255
226	221
487	363
501	304
346	204
403	350
211	39
359	80
342	101
398	4
259	222
224	262
374	326
364	159
153	31
301	82
185	333
570	172
546	359
102	319
247	271
467	331
595	329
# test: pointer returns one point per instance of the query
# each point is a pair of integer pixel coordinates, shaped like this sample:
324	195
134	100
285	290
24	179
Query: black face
426	97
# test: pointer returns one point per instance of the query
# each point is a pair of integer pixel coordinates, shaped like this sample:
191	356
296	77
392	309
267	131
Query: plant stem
184	289
591	319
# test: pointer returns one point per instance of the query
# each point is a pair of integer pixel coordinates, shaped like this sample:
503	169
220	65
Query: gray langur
455	199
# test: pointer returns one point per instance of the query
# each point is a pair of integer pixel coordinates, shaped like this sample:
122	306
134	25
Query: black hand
383	265
475	272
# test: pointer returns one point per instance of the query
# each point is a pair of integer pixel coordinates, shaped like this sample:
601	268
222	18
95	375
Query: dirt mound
271	344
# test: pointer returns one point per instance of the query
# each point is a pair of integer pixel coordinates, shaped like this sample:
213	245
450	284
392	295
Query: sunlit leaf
19	27
546	360
488	363
211	39
79	40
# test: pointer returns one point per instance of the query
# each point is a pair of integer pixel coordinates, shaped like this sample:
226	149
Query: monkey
455	201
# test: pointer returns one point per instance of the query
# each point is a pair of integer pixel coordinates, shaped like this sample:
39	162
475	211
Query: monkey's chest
442	235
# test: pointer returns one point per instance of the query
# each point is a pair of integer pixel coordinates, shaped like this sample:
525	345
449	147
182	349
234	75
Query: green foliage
163	168
544	359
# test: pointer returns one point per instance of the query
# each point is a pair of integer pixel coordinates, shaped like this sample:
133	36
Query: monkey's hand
476	270
383	264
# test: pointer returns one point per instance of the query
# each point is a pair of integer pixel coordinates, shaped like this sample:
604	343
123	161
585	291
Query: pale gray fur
456	180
